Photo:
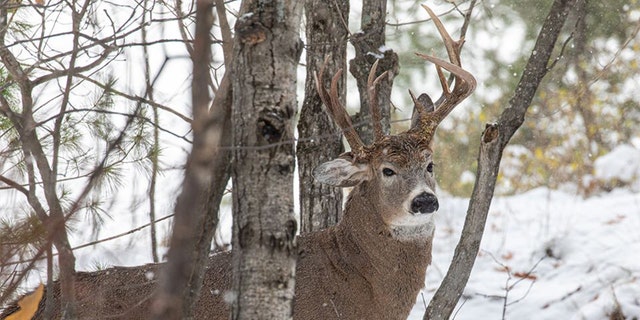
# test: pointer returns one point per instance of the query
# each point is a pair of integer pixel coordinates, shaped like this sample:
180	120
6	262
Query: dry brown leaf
616	220
507	256
28	305
525	275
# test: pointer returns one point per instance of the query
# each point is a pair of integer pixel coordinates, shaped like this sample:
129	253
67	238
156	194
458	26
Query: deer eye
388	172
430	167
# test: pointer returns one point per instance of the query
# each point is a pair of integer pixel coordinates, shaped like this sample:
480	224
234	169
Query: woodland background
109	98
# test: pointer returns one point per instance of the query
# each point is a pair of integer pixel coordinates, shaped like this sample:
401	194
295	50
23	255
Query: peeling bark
266	54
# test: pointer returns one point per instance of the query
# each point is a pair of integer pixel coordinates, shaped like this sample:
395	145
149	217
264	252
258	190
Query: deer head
396	172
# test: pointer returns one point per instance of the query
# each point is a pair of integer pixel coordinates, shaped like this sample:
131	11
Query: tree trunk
494	139
321	205
266	53
206	176
370	46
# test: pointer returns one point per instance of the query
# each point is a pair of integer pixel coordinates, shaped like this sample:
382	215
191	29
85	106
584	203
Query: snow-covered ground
548	254
553	255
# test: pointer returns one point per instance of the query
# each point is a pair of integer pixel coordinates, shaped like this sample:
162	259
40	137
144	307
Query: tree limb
206	175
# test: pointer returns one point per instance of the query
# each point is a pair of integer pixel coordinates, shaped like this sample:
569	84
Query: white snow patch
375	55
582	255
384	49
621	164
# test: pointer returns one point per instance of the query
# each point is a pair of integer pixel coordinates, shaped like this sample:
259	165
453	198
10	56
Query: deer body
343	273
372	264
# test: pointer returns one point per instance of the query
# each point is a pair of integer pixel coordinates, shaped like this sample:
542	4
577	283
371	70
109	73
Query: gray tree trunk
266	54
319	138
494	139
370	46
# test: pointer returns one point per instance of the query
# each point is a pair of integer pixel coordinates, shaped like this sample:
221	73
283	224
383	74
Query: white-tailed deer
372	264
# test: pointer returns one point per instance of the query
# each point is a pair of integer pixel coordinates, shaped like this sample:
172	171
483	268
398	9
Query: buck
372	264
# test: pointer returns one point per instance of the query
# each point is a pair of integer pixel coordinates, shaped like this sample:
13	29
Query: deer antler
339	113
464	82
336	109
372	90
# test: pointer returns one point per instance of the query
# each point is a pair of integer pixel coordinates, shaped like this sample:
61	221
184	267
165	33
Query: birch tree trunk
266	54
319	139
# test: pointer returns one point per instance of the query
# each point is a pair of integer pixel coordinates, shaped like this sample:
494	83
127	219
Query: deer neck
369	247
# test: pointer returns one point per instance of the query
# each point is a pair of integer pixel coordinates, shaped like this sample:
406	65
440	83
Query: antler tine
372	90
464	85
335	108
453	47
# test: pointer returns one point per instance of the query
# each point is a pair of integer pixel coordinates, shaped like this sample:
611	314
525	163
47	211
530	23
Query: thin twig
92	243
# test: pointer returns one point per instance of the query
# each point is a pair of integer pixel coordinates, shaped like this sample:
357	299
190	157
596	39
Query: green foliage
24	230
21	235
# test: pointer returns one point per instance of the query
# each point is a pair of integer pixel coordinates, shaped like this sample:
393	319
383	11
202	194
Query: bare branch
136	98
14	185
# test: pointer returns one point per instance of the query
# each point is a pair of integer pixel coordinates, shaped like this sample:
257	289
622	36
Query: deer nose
424	203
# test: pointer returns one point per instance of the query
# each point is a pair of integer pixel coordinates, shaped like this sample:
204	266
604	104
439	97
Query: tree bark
321	205
370	46
494	139
266	53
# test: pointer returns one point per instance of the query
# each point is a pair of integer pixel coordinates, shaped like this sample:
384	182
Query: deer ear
341	172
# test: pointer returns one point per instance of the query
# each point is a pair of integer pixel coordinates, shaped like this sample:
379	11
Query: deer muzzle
424	203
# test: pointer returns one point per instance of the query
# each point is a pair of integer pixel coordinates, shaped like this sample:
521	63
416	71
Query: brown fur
342	273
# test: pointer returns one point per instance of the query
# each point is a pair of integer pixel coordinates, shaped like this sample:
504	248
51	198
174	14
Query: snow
375	55
582	255
384	49
551	253
622	164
